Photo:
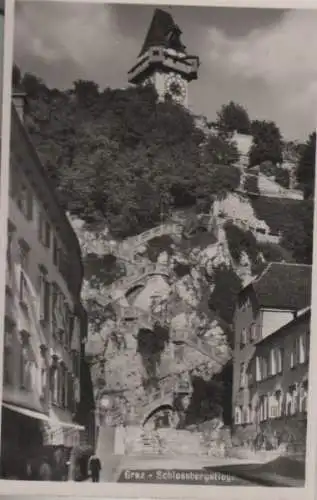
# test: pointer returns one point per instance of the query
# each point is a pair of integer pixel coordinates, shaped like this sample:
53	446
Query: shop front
21	440
37	446
64	437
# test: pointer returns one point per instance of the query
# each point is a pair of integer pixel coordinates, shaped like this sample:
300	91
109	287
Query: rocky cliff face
153	299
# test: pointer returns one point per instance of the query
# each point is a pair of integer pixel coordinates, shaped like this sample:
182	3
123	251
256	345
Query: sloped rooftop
163	32
284	286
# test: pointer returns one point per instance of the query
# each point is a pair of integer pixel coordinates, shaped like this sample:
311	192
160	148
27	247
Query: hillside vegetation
119	157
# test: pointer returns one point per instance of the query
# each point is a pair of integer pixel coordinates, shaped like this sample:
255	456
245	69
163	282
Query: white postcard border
132	490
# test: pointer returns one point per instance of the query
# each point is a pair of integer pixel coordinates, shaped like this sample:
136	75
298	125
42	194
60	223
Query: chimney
19	102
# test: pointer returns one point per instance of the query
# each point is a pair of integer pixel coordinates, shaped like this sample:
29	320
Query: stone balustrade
262	235
126	248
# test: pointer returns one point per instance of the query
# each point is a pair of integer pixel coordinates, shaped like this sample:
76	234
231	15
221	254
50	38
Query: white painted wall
273	320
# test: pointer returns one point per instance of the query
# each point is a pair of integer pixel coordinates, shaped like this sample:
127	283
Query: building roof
163	32
303	316
284	286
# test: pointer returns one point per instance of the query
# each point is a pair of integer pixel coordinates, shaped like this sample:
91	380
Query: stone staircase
173	442
127	249
118	288
169	442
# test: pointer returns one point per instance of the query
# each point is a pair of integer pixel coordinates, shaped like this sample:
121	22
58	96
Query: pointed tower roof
163	32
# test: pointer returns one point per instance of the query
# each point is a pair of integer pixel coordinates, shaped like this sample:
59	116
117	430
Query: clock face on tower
175	87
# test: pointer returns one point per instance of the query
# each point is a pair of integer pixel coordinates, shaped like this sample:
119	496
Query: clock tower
164	61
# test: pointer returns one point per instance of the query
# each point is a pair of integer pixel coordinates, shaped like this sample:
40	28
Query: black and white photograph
159	245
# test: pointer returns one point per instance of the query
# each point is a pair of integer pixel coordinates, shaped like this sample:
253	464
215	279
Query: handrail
130	244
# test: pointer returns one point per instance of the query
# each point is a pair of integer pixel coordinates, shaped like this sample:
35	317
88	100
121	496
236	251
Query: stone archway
157	409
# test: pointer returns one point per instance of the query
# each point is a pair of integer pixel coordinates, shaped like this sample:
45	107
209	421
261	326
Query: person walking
94	467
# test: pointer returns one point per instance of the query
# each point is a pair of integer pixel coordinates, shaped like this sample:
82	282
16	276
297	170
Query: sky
264	59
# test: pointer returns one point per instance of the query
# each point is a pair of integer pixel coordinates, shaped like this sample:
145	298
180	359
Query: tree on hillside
221	151
298	237
86	92
282	177
122	157
233	118
306	166
267	143
223	298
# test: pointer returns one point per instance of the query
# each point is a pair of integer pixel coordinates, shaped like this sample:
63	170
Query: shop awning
67	425
41	416
59	419
27	412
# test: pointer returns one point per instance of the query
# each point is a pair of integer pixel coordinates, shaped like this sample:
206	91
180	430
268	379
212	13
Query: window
30	205
264	368
75	363
44	229
238	415
272	362
8	366
253	332
43	379
43	372
10	236
276	405
67	325
55	251
179	352
24	265
63	265
263	408
307	345
60	383
258	374
45	297
59	314
63	386
54	379
47	234
26	362
62	314
70	393
242	376
291	402
279	400
279	360
303	397
295	353
244	337
55	322
246	415
22	197
302	348
75	344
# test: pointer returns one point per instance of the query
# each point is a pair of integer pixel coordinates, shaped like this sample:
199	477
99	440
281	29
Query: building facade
44	325
271	354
